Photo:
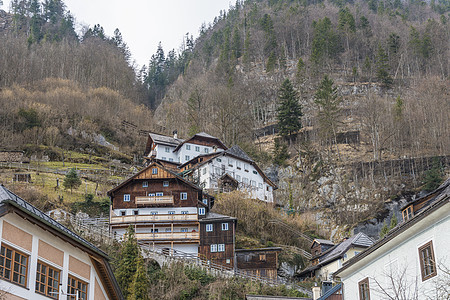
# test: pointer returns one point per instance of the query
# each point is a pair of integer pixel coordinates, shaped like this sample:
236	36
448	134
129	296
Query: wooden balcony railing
168	236
154	200
153	218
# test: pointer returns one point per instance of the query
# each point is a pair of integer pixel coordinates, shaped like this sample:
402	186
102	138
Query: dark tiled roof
204	134
323	242
8	197
359	240
164	139
238	152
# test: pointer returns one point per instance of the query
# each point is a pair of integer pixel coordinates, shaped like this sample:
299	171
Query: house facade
163	208
228	170
261	262
328	258
413	259
42	259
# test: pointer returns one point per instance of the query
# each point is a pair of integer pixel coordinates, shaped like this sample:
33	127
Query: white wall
160	210
401	254
161	153
246	175
192	152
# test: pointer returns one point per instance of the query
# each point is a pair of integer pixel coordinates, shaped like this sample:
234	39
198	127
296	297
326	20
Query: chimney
215	149
175	134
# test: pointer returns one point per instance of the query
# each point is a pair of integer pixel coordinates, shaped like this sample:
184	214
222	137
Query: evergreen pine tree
71	180
289	111
280	153
138	289
384	230
128	260
383	68
394	222
433	177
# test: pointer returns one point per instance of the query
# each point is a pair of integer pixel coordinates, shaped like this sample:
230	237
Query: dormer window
407	213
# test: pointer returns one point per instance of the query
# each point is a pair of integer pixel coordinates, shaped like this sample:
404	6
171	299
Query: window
170	159
145	184
183	196
167	149
126	197
154	230
205	201
260	186
123	213
254	172
164	158
253	183
224	226
206	150
238	165
228	261
363	287
76	286
221	248
427	261
184	230
246	167
155	171
262	257
188	147
230	162
204	171
151	194
407	213
245	180
187	158
168	230
201	211
154	212
209	227
185	212
136	212
159	194
238	177
219	160
197	148
171	212
165	183
214	248
47	280
13	266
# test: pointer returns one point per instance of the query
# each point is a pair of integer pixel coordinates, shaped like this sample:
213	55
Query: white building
412	261
206	161
42	259
228	170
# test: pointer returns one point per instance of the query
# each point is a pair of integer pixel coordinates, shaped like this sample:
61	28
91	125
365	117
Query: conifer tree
128	260
139	287
289	111
383	67
71	180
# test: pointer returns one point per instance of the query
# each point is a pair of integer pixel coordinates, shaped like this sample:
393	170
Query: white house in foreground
412	261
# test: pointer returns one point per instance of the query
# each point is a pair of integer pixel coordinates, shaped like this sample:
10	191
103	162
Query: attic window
155	171
219	160
407	213
254	172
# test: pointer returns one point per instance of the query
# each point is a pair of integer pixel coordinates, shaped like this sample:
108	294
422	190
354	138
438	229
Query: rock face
5	21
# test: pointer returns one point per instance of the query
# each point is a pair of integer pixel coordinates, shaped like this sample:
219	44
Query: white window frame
188	147
213	248
183	196
206	150
126	198
221	248
184	212
187	157
184	229
145	184
154	171
197	148
224	226
201	211
171	212
209	228
167	149
165	183
159	194
205	201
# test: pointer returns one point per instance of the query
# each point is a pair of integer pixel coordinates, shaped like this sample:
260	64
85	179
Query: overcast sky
144	23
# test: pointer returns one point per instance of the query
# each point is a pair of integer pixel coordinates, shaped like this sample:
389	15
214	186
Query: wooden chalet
217	239
163	208
262	262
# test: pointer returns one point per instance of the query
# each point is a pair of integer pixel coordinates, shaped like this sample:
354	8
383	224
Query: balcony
154	200
152	218
160	236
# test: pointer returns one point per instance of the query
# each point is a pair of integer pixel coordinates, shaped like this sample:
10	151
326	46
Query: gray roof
164	139
213	216
204	134
238	152
324	242
8	197
359	240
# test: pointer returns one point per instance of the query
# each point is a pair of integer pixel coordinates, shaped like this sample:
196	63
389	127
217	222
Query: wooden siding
260	263
153	218
217	236
135	189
